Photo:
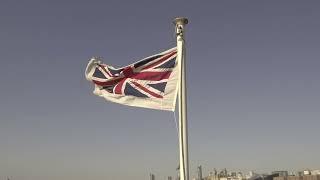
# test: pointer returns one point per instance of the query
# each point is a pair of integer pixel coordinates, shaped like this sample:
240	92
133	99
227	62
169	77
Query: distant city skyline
224	174
253	88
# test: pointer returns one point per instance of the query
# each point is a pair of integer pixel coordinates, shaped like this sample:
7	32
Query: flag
150	83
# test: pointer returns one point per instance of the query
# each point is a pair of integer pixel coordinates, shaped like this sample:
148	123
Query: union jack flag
150	82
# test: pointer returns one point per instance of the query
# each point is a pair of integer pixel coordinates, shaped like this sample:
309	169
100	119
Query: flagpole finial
180	22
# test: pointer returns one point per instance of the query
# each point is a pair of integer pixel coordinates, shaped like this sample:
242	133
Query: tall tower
152	177
199	172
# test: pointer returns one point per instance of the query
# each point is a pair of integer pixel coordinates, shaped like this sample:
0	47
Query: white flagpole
183	125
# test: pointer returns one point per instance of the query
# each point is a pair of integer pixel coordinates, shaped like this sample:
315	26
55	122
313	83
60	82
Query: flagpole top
180	21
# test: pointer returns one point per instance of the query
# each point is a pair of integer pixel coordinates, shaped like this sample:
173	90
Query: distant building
152	177
304	177
240	175
233	174
223	173
280	173
315	172
199	171
306	172
250	175
212	176
169	177
264	177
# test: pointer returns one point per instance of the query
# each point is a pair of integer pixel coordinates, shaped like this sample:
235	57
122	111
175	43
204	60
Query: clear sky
253	84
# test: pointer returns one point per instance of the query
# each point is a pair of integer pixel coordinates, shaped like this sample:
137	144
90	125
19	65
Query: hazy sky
253	84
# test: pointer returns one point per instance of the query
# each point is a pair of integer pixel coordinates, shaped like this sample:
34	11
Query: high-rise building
199	172
152	177
233	174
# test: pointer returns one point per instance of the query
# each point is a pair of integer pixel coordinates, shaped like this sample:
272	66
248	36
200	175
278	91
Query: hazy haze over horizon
253	88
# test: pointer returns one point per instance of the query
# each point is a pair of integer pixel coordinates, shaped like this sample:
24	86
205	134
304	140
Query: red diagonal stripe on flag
107	83
152	76
118	87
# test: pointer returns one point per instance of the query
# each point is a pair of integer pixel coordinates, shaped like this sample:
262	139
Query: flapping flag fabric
150	83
